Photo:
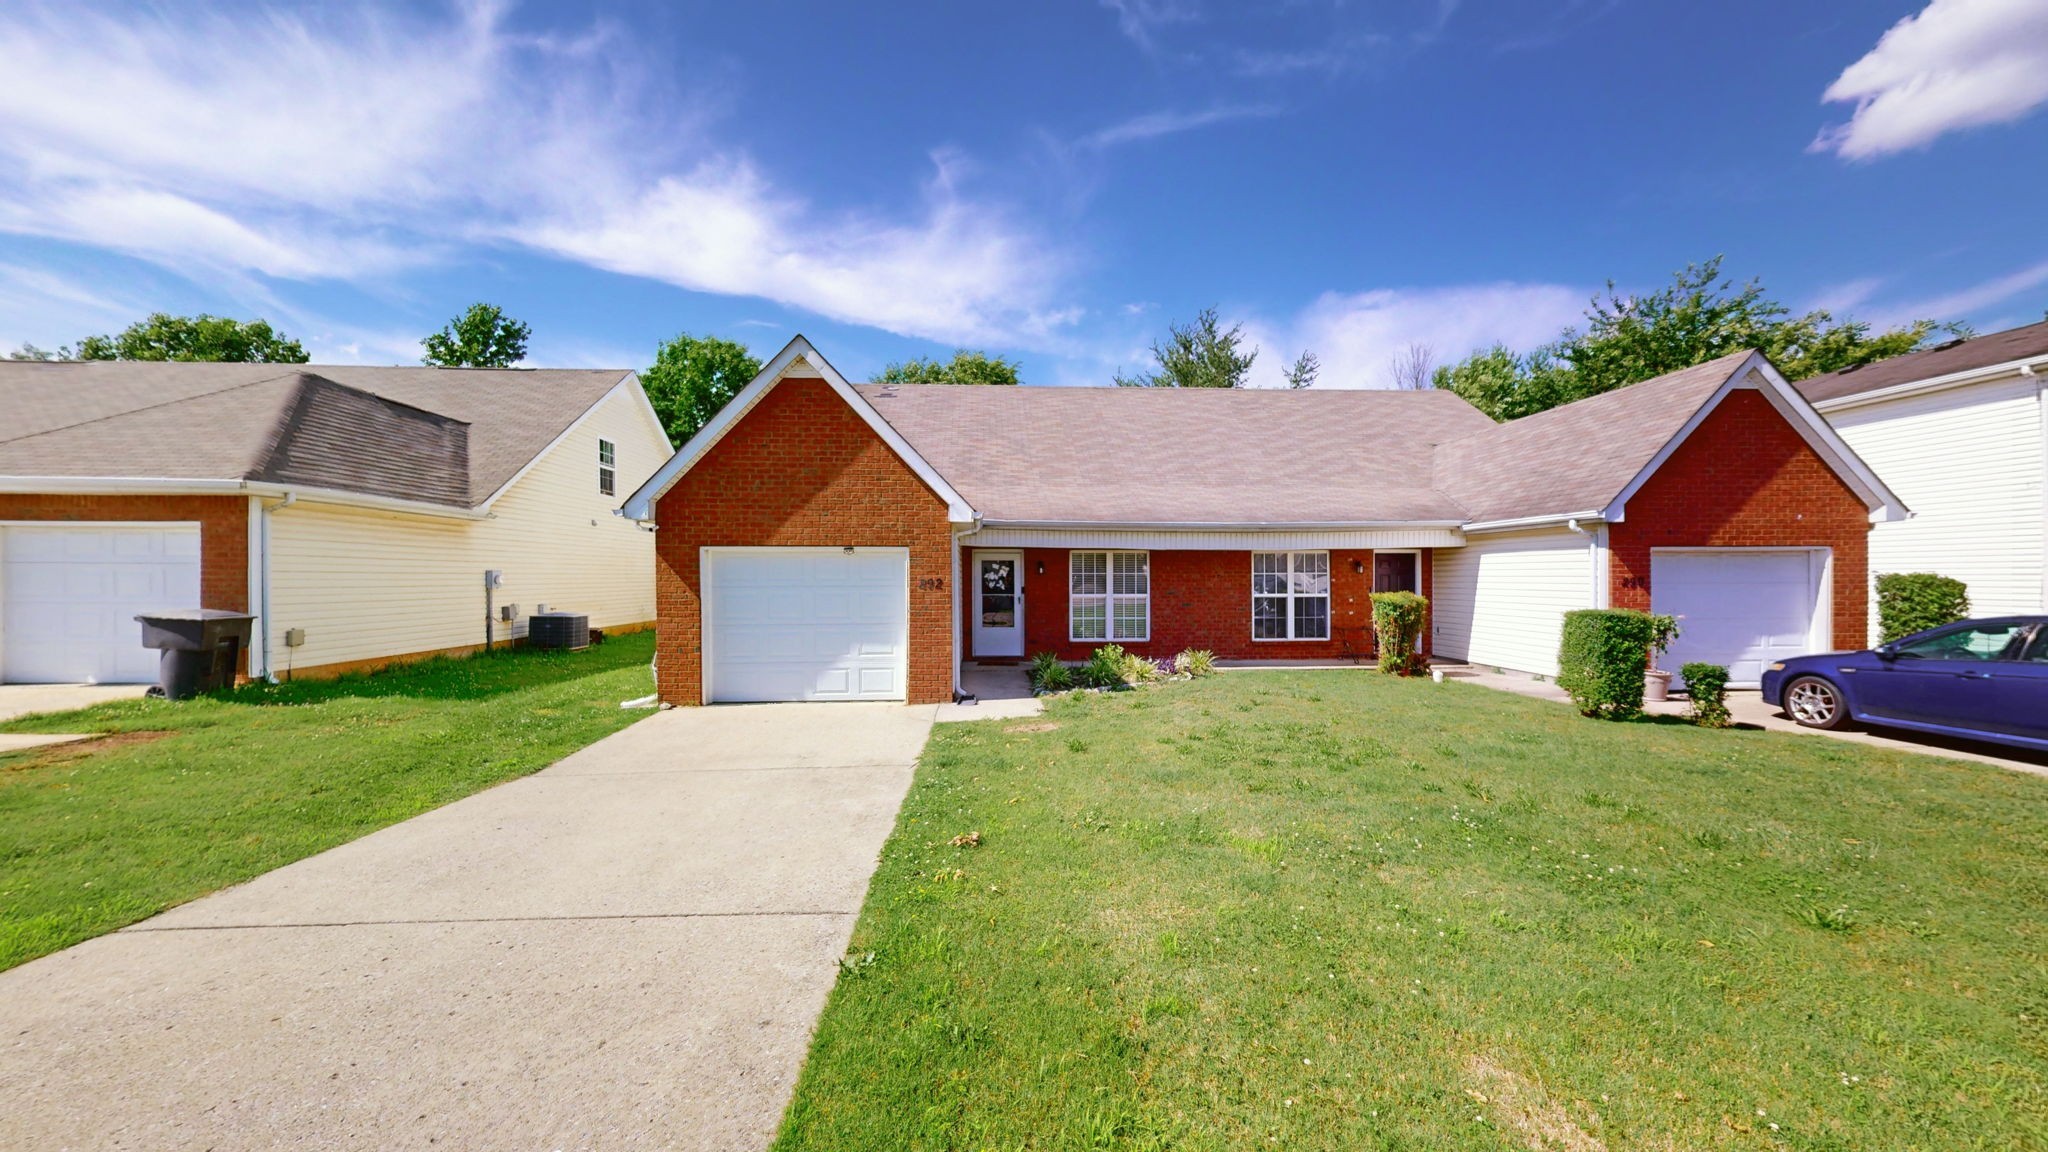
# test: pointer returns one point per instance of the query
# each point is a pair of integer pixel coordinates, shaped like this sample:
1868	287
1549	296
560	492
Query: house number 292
932	583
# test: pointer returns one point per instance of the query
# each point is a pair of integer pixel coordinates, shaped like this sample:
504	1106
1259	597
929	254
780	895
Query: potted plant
1656	681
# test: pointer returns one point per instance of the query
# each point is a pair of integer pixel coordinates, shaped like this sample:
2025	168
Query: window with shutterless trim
607	468
1109	595
1290	595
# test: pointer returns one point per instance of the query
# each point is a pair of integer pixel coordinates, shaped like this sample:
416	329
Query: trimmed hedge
1706	685
1909	602
1602	659
1397	624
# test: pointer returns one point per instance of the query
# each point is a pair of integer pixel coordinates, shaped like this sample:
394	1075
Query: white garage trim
707	606
1820	571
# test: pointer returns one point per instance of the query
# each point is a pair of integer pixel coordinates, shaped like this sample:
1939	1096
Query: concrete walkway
627	950
1748	708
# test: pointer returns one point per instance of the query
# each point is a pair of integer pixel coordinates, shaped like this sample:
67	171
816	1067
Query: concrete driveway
627	950
23	699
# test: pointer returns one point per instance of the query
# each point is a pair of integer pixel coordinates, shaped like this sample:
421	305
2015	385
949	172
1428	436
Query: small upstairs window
607	468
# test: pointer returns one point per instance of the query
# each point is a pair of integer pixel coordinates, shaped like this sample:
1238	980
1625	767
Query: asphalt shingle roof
445	436
1961	356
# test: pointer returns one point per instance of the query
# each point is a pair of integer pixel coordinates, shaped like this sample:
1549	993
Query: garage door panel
1739	609
802	625
69	596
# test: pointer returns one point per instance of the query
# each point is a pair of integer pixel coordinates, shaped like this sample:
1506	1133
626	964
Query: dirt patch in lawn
55	754
1035	726
1523	1106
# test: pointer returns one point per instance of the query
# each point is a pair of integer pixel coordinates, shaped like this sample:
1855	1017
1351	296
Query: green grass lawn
1335	910
182	799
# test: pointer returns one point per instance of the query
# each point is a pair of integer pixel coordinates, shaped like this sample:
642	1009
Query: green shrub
1909	602
1706	686
1195	663
1049	674
1135	669
1111	667
1602	660
1397	624
1663	630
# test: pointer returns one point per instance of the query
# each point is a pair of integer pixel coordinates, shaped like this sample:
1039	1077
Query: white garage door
1738	608
68	599
807	624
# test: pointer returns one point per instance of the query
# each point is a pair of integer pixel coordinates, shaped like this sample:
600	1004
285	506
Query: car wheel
1815	703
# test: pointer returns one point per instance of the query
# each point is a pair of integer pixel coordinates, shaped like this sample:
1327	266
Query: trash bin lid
194	614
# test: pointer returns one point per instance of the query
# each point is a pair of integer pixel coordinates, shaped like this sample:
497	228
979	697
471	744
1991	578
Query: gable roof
1586	458
797	360
437	436
2014	344
1185	457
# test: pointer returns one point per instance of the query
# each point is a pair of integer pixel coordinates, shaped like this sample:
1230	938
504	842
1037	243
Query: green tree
482	337
966	367
1697	317
692	378
203	337
31	352
1197	355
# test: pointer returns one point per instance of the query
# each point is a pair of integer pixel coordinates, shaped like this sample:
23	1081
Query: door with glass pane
998	604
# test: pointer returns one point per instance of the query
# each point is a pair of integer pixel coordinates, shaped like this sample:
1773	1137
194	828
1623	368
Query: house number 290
932	583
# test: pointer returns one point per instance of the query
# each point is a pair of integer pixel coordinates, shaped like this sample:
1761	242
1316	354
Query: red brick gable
1746	478
801	469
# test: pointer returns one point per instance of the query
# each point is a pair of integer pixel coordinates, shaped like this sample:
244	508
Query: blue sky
1052	181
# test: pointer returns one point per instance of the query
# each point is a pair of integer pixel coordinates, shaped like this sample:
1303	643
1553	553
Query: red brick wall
1745	479
801	470
1200	599
223	532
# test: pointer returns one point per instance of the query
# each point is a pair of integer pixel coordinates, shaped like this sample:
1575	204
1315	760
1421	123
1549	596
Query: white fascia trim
1521	523
632	380
2018	367
1220	525
173	486
640	505
1884	504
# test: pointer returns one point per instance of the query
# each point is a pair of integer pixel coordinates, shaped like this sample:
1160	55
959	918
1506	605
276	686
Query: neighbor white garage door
1738	608
806	624
69	596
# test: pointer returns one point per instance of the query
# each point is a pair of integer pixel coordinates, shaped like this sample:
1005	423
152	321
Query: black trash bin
202	648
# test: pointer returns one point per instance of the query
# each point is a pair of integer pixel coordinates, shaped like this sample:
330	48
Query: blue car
1980	679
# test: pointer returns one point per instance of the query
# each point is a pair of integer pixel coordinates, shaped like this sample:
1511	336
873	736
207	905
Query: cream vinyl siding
366	585
1971	463
1500	600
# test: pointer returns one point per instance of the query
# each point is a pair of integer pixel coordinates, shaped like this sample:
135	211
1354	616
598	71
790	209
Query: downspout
2030	372
958	596
1595	576
263	615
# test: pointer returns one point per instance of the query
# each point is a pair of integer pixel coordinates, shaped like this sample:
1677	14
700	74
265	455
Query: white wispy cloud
1964	302
1152	125
1956	64
1142	20
355	143
1357	335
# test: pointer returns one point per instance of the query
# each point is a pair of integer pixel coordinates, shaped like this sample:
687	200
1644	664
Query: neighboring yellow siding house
368	586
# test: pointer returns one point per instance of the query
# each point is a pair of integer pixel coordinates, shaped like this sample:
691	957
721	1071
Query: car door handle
1973	675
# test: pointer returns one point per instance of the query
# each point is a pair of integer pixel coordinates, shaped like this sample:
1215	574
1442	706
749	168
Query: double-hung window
1109	596
607	468
1290	595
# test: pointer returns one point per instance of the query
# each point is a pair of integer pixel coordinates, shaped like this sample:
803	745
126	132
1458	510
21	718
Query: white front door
69	596
1739	608
998	603
806	624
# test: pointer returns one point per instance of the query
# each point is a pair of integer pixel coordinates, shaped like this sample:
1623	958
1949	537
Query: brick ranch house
821	540
353	510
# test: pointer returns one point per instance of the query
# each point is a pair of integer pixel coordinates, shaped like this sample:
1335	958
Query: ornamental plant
1195	663
1397	624
1909	602
1602	658
1706	686
1049	674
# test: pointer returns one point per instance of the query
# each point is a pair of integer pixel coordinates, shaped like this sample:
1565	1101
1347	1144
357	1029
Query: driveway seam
141	928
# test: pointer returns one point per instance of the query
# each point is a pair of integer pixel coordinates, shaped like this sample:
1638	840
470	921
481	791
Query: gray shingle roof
1577	457
445	436
1980	352
1183	456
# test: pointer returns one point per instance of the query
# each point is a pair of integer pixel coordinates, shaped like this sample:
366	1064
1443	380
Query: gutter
1219	525
2025	366
1570	520
177	486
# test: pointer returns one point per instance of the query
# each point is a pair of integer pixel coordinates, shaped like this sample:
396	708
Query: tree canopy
692	378
482	337
202	337
966	367
1197	355
1699	316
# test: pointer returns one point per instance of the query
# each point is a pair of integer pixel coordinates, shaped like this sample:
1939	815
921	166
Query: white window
607	468
1109	596
1290	595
